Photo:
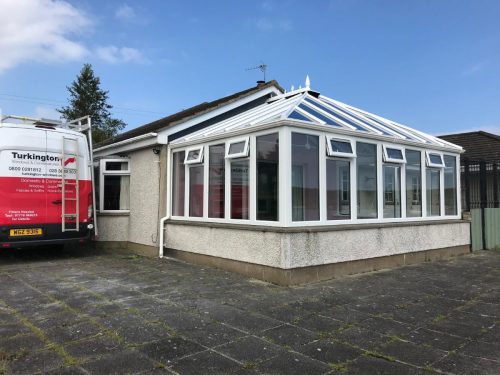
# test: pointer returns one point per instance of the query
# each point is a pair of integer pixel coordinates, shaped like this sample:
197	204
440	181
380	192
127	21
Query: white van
46	182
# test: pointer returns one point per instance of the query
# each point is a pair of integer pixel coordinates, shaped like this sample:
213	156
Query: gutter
127	141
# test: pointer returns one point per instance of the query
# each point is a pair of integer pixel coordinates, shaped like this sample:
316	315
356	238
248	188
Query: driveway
80	312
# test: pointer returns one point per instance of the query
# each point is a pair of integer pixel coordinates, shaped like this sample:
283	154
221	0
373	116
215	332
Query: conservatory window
237	148
114	185
433	192
267	147
366	164
394	155
338	189
434	160
178	192
196	190
450	185
305	177
240	189
413	183
339	147
194	155
216	181
392	190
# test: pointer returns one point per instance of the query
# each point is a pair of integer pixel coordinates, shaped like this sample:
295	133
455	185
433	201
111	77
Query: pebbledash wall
285	252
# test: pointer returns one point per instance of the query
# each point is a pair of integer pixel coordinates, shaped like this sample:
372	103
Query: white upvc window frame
387	159
332	153
104	172
429	163
198	160
242	154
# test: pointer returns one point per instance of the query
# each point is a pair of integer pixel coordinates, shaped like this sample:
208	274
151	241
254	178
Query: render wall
295	248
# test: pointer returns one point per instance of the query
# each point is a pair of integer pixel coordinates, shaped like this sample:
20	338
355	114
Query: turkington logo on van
31	156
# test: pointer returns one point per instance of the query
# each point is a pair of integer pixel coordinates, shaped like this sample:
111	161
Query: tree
87	98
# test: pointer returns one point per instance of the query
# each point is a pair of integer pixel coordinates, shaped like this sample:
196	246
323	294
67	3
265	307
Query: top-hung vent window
237	148
194	155
434	159
394	154
340	147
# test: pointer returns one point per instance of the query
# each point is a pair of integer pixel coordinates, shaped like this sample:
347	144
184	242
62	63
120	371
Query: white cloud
475	68
495	129
40	30
117	55
125	12
47	113
266	24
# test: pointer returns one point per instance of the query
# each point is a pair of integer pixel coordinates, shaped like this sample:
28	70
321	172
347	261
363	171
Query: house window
433	192
196	190
392	190
338	189
394	154
366	165
240	189
216	181
305	177
413	183
237	148
434	159
114	185
267	147
450	185
339	147
178	190
194	155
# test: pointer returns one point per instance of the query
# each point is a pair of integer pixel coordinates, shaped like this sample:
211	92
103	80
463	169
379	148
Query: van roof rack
80	124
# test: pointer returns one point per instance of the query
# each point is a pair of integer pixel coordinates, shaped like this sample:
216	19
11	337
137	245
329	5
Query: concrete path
80	312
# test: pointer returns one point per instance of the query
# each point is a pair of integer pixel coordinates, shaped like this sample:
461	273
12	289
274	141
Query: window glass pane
450	185
435	159
392	190
366	164
216	181
394	153
193	155
433	195
267	177
239	189
178	191
305	177
298	116
237	148
338	189
413	184
341	146
116	192
196	191
117	165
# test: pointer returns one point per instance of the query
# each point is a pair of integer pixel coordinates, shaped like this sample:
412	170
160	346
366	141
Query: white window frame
387	159
194	161
428	159
331	152
104	172
243	154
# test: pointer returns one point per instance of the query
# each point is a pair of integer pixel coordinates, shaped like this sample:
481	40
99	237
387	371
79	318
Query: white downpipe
165	218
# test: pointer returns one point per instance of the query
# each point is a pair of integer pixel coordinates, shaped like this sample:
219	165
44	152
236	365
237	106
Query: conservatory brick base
289	256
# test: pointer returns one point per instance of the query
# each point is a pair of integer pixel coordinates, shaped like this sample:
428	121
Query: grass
248	365
439	318
339	367
375	354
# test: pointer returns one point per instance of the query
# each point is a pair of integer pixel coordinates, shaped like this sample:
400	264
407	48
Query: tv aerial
262	67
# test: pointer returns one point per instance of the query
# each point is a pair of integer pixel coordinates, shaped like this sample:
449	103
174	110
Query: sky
432	65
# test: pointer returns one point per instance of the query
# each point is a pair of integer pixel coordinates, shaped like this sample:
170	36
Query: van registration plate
25	232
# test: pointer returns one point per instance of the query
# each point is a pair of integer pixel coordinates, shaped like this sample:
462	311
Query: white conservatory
303	181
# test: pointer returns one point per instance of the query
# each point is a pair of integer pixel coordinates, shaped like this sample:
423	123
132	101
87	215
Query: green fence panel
476	229
492	228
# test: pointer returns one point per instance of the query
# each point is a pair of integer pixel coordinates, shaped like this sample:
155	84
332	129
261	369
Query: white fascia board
131	144
163	134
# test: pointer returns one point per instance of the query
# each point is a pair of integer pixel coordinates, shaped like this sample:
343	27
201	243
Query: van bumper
52	235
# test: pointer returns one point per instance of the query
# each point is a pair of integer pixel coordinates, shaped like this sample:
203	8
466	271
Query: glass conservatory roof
305	106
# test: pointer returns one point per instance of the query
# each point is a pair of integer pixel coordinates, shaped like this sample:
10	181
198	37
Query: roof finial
308	82
300	87
292	88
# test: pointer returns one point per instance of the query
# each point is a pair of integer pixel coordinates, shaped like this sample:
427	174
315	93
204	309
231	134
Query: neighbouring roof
186	114
308	106
478	145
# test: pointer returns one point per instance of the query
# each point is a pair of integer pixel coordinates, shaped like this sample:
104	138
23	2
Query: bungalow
288	187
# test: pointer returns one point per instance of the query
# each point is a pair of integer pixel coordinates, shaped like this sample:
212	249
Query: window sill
113	213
